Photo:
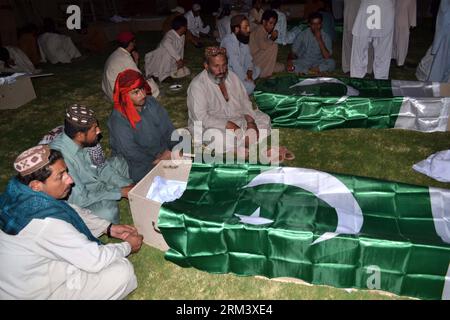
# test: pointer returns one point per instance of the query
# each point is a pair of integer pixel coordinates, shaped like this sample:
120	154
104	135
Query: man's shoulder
199	80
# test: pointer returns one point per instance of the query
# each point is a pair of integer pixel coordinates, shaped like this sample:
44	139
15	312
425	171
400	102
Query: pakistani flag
328	103
327	229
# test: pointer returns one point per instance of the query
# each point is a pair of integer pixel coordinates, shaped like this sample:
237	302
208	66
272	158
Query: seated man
285	36
218	99
139	127
240	60
263	47
176	12
49	249
55	47
96	188
123	58
167	59
312	49
12	59
28	43
195	25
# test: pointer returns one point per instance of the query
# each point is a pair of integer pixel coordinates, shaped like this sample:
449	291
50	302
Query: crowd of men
66	193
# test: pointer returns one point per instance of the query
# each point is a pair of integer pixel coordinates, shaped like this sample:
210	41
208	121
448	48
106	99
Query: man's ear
205	65
36	186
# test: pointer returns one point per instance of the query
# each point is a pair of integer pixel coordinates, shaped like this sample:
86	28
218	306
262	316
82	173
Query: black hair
268	14
236	25
4	55
179	22
45	172
71	129
315	15
125	45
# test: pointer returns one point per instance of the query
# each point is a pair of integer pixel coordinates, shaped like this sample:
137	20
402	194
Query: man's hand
122	231
135	242
232	126
125	190
166	155
274	35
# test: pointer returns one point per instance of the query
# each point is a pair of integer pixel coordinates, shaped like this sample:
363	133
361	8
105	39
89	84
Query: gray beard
217	80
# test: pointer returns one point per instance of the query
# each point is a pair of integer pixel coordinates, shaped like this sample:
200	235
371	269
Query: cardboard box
15	95
145	212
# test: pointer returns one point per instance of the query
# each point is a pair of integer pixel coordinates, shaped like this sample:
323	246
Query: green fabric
321	107
397	235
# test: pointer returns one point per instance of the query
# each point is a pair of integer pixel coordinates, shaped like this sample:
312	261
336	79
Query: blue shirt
142	145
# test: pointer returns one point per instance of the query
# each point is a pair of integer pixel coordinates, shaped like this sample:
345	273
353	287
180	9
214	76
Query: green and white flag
327	103
330	229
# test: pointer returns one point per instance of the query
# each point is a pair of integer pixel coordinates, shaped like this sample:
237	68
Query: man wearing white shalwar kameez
19	62
167	59
405	18
123	58
195	22
440	50
217	99
57	48
51	251
366	32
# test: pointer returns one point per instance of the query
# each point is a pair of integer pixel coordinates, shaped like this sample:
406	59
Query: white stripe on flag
440	207
446	292
425	114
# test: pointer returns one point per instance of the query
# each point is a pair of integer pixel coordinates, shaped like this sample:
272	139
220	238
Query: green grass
382	154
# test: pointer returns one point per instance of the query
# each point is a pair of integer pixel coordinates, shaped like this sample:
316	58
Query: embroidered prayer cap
80	115
196	7
215	51
32	160
178	9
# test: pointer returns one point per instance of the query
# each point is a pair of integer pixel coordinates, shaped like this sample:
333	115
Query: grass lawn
383	154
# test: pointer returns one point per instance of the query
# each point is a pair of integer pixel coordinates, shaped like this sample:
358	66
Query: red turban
127	81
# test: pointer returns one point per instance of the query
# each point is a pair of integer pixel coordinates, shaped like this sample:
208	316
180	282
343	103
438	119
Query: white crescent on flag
325	187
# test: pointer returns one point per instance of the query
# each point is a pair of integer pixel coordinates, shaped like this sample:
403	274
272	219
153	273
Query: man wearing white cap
195	24
49	249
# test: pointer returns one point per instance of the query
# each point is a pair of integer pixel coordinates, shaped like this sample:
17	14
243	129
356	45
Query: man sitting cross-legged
218	100
97	188
139	127
49	249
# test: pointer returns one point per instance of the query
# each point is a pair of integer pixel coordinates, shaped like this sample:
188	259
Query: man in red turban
140	128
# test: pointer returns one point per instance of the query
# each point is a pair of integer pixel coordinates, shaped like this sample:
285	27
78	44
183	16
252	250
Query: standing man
376	27
405	18
312	49
167	60
96	188
139	127
49	249
350	12
240	60
263	47
440	50
125	57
